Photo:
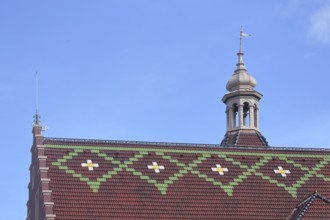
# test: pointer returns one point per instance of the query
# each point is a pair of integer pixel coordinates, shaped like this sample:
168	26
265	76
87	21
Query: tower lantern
242	107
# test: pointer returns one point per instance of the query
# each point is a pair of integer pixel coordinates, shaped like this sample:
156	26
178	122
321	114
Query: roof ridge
237	137
323	198
262	139
225	140
306	207
306	203
100	141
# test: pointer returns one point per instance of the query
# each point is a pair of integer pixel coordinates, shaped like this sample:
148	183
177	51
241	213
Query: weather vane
241	35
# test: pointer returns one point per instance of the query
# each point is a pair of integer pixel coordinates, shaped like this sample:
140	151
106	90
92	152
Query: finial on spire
240	52
37	116
241	35
240	39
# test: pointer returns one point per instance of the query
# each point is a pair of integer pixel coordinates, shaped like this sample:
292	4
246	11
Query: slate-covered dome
241	79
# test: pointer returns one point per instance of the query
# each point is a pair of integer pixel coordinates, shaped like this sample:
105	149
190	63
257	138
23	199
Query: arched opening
246	114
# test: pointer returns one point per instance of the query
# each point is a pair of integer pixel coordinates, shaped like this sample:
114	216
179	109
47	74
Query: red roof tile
194	181
244	138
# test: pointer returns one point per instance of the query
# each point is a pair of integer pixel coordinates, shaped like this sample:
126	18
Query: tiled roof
111	179
313	207
244	138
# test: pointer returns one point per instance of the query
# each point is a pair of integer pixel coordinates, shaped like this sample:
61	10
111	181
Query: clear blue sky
151	70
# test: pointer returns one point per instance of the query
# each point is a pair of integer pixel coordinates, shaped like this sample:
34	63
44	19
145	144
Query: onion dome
241	79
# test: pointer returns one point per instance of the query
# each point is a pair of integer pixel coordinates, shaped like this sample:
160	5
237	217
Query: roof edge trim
172	144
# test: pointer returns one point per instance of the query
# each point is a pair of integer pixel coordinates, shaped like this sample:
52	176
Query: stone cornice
238	93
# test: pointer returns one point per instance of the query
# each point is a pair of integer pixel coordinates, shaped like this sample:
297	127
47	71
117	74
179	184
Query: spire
240	40
241	79
36	121
240	63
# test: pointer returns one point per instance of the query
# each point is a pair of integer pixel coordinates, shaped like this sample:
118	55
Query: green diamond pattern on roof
185	168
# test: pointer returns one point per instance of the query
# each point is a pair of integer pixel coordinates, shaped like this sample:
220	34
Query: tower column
256	111
231	118
240	116
227	118
251	109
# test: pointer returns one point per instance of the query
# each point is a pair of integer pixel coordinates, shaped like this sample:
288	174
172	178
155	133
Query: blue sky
156	71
